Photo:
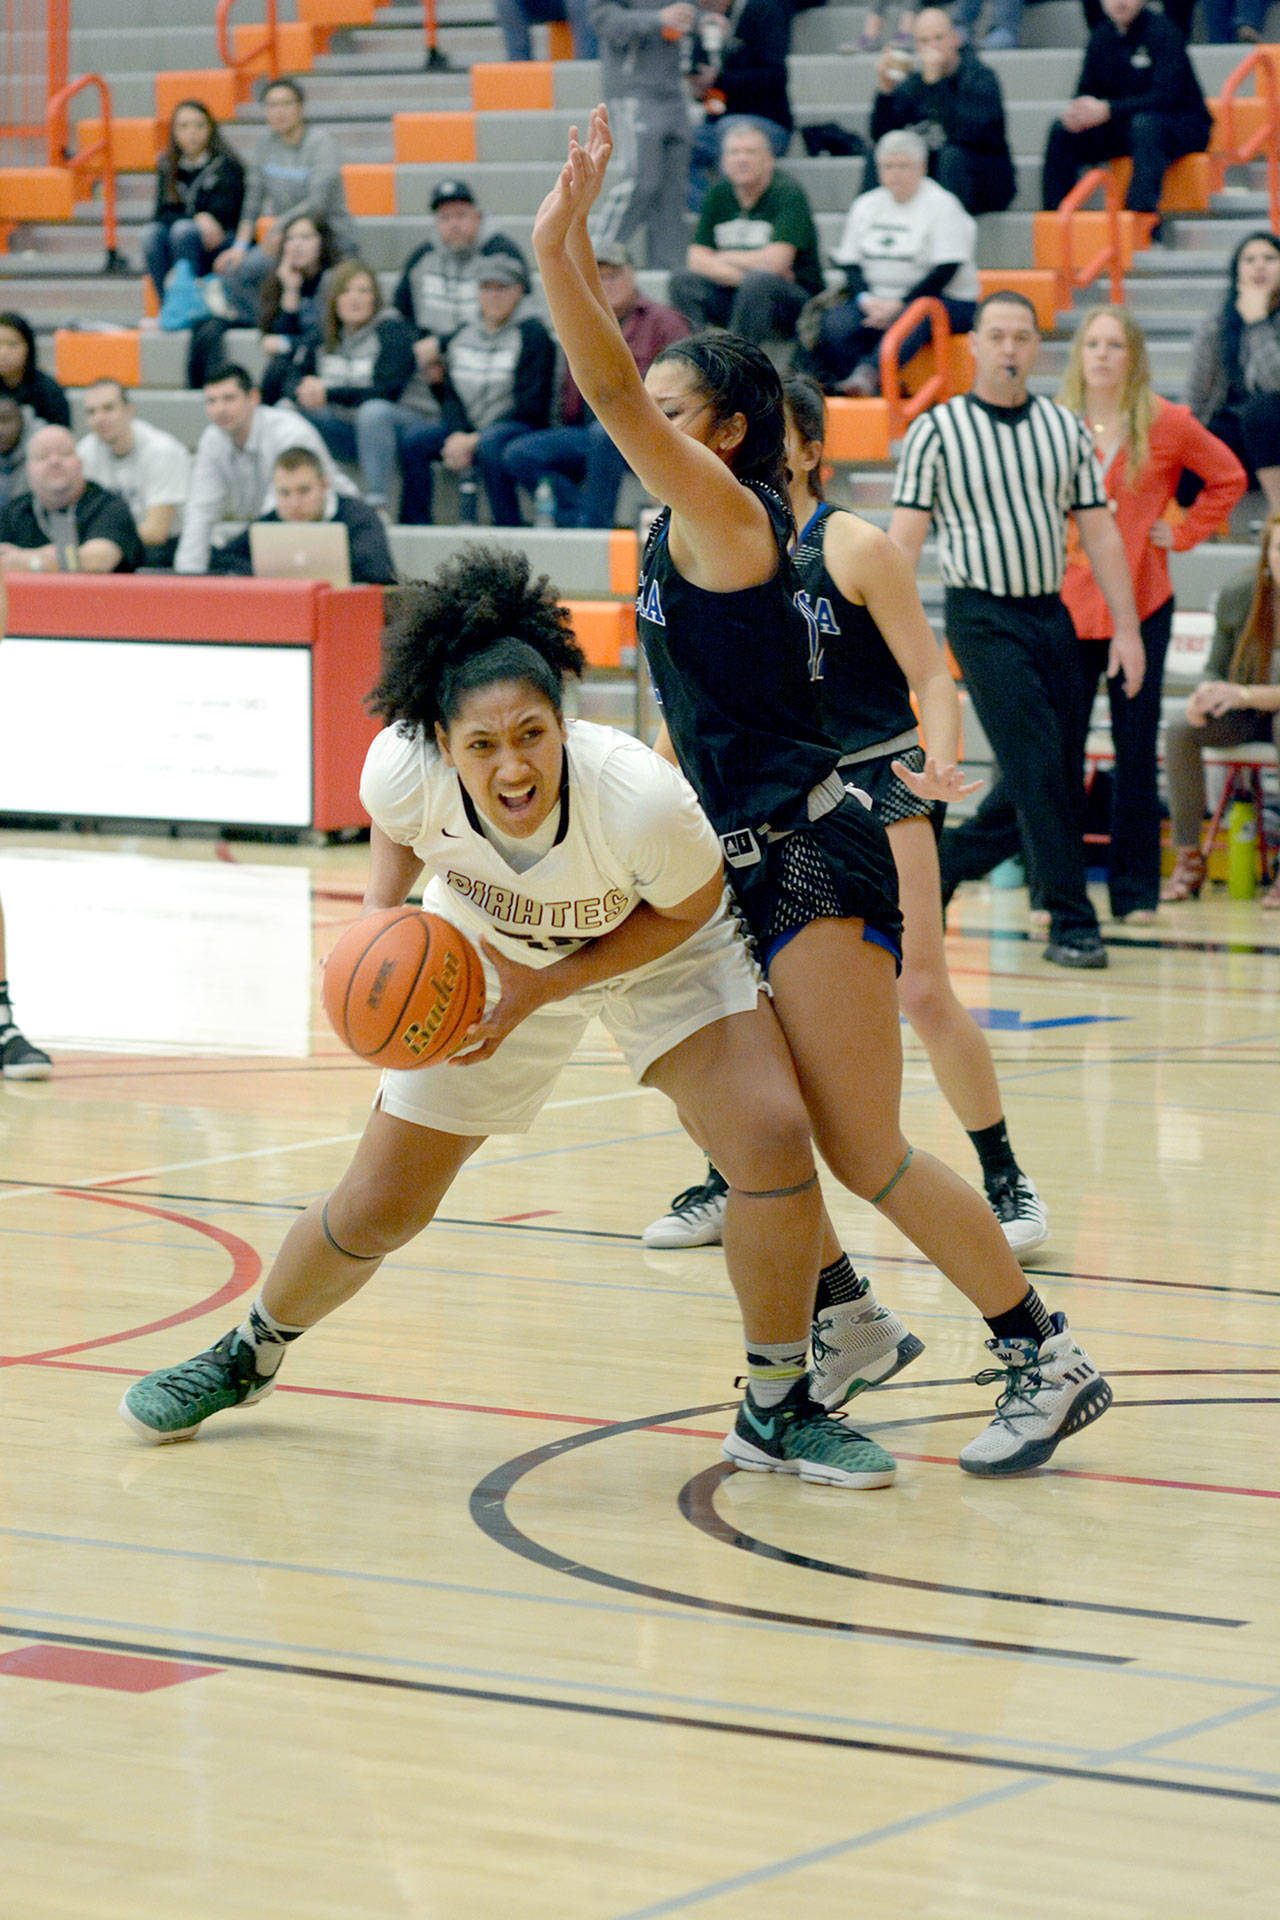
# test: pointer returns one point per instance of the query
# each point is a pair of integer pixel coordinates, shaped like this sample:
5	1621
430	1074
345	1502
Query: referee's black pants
1020	660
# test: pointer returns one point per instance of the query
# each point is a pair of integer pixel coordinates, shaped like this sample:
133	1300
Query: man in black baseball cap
437	289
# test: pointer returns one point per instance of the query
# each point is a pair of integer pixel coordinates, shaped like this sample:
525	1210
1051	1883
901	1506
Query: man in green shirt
754	258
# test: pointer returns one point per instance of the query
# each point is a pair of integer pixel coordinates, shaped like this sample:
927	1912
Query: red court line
246	1265
687	1433
89	1667
1116	1479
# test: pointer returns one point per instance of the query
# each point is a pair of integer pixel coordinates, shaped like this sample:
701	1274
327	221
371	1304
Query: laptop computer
301	550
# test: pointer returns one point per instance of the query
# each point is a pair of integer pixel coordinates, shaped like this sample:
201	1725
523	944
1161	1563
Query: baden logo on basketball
402	988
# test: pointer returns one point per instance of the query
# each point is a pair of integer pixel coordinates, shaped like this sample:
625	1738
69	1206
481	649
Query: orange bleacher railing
1109	258
435	61
245	63
939	385
93	163
1232	146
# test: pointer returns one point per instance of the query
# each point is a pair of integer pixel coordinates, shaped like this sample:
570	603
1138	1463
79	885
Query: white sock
268	1337
774	1369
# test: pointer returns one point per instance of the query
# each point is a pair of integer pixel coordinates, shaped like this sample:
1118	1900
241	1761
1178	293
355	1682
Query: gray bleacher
54	273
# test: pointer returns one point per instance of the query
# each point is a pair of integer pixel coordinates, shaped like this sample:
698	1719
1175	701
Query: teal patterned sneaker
171	1403
855	1345
1048	1394
797	1436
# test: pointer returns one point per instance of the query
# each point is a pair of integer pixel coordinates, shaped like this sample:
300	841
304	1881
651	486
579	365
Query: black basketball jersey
863	693
734	674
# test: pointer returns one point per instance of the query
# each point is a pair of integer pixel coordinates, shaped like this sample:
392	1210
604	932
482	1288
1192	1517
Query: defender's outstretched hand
577	185
934	782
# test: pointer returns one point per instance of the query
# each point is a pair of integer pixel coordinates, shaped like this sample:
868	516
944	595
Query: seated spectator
740	76
1226	20
493	381
65	524
904	239
235	456
579	459
754	258
149	467
1180	12
1006	23
304	495
295	169
22	379
437	289
516	17
288	308
1233	387
1137	95
348	381
13	454
1238	701
953	101
199	194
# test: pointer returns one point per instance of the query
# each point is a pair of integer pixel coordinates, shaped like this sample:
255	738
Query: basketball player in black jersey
810	866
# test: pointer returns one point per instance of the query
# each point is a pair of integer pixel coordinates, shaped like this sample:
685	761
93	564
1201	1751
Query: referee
1000	471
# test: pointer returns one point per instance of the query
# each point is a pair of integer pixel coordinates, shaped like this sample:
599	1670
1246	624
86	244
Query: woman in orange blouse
1145	444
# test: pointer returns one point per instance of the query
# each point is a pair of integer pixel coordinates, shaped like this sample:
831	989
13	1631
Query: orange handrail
938	386
88	162
1235	152
270	45
1109	258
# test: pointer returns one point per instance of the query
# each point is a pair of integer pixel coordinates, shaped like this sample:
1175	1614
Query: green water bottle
1242	850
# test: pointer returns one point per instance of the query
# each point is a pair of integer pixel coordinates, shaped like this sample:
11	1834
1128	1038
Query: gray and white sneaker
1023	1216
1049	1393
696	1218
856	1345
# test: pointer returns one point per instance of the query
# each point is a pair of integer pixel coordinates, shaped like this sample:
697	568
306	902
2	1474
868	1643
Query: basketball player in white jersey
585	866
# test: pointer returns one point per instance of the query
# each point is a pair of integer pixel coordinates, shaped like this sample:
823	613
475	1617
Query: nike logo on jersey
649	604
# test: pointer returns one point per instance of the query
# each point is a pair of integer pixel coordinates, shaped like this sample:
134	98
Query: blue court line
962	1739
914	1823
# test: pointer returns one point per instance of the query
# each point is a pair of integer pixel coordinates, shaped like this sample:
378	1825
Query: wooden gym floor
468	1621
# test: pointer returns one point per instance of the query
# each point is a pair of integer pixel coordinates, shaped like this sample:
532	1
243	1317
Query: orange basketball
402	987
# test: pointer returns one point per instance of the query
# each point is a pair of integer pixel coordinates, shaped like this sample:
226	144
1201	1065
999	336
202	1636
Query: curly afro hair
480	619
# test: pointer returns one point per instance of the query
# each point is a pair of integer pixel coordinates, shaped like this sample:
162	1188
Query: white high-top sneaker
1048	1394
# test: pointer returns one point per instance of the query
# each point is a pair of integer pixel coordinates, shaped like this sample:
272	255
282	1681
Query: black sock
838	1284
992	1147
1029	1320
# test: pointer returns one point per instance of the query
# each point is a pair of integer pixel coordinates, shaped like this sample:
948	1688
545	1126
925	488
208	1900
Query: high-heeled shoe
1188	876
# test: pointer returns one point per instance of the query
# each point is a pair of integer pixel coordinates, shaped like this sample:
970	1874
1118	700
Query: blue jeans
583	465
420	446
164	245
381	426
515	17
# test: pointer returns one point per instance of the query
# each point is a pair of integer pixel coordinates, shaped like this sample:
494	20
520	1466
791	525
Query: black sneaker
19	1060
1077	948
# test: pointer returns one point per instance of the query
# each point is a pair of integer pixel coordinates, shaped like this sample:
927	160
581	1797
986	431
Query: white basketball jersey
630	829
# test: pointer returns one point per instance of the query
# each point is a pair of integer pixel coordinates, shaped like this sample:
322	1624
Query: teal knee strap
777	1193
885	1191
344	1251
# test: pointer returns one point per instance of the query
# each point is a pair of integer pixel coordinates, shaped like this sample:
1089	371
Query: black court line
1141	943
489	1511
697	1504
633	1239
639	1716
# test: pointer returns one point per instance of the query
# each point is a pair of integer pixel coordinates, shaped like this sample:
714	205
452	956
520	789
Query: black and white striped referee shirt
1000	482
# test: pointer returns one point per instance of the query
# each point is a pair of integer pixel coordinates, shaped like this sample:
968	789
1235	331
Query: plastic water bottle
1242	850
468	498
544	504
